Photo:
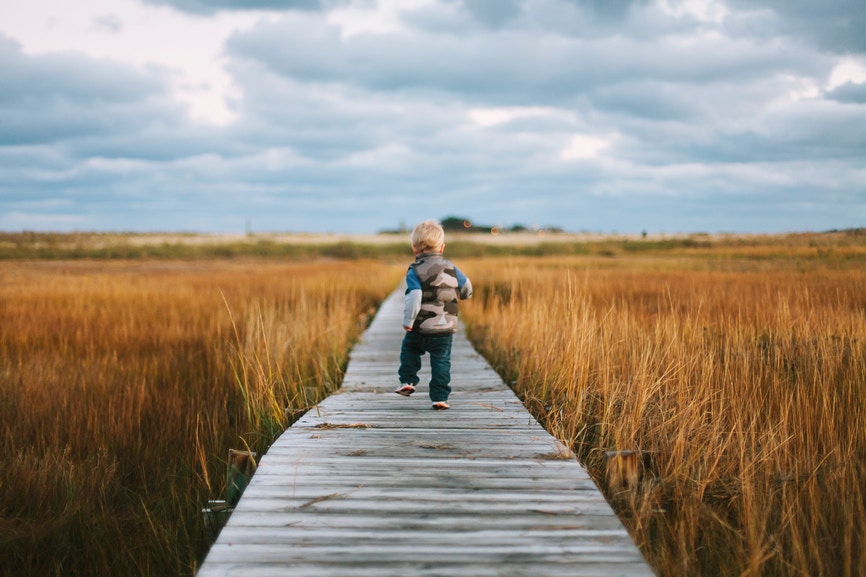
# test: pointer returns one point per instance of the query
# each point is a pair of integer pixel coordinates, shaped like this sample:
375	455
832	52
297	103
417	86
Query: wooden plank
372	483
359	551
553	567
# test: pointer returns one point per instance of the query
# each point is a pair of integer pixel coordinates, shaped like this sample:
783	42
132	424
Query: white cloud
801	88
486	117
365	17
848	69
187	47
702	10
584	146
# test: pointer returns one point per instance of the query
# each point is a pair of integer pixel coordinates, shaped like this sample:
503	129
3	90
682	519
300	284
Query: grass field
734	366
739	380
124	384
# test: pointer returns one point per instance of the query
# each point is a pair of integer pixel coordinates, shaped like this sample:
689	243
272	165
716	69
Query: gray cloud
69	76
609	10
849	93
836	25
213	6
493	13
709	126
54	97
515	67
500	13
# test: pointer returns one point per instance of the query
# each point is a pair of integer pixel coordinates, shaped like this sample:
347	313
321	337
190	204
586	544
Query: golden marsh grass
125	383
739	382
734	366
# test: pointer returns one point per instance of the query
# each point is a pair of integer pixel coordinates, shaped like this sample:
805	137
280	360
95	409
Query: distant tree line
462	224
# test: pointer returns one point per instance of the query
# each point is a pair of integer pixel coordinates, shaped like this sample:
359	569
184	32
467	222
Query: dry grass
739	382
735	367
123	385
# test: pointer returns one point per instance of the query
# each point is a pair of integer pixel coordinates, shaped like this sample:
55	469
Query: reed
739	384
125	383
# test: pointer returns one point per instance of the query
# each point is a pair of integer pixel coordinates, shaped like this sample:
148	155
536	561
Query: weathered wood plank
371	483
478	567
541	516
360	551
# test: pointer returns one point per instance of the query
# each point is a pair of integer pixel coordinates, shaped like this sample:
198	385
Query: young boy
433	287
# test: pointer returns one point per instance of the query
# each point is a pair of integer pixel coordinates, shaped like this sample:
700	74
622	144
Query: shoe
441	406
405	390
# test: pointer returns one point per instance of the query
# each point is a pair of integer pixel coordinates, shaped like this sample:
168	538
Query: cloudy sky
360	115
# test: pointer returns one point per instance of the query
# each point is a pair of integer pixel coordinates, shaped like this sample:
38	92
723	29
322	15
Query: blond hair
428	235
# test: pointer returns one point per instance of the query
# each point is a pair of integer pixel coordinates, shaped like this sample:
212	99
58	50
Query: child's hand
408	329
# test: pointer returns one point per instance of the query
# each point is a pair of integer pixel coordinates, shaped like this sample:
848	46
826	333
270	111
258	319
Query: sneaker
405	390
441	406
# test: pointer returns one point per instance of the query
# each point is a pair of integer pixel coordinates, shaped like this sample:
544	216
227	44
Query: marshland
733	366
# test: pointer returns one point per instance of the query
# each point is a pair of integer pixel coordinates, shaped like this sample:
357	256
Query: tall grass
123	385
742	388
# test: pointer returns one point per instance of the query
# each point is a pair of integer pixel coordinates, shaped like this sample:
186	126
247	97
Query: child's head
428	236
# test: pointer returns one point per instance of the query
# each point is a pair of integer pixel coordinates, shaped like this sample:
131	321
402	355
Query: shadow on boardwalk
370	483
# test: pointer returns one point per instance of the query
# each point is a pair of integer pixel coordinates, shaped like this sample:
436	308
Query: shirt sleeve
412	280
464	285
411	307
412	301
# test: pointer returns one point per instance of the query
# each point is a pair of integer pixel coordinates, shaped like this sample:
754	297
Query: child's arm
412	301
464	285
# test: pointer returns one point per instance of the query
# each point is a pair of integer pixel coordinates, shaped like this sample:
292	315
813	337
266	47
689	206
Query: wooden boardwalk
370	483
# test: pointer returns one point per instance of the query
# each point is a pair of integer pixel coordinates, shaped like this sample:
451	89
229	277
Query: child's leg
440	367
410	359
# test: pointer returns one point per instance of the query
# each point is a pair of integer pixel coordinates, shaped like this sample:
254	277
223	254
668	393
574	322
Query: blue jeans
439	348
